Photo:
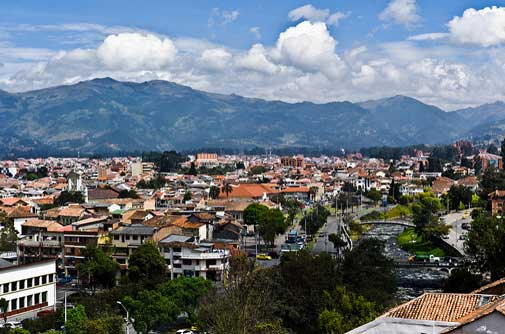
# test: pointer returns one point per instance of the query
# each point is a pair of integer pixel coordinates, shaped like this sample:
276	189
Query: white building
28	288
193	259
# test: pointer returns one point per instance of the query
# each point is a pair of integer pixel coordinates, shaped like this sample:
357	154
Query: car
321	235
185	331
264	257
462	237
11	324
445	237
465	226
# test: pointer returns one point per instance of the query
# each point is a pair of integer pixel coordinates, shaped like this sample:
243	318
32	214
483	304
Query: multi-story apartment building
187	257
28	288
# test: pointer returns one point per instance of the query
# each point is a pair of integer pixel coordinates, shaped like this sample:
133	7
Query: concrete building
187	257
28	288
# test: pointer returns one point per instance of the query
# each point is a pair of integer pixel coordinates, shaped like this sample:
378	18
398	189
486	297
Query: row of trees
305	294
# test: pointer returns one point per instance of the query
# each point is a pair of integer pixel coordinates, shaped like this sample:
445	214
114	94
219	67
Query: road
456	220
322	243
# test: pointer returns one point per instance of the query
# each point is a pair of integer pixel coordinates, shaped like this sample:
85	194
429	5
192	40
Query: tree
192	169
424	215
76	320
185	292
394	190
374	195
244	305
256	170
98	267
434	165
253	212
8	234
313	192
345	311
214	192
369	273
128	194
66	197
4	306
485	245
187	196
462	280
271	223
492	149
503	149
146	264
336	241
459	194
227	189
151	310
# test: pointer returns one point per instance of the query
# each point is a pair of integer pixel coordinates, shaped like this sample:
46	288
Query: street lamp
127	315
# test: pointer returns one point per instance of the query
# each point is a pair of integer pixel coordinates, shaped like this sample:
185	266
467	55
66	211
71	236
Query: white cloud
402	12
256	59
485	27
256	31
133	51
215	59
429	36
313	14
309	12
335	18
222	17
310	47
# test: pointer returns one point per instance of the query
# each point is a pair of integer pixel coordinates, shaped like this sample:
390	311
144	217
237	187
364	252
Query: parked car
273	254
465	226
264	257
185	331
462	237
11	324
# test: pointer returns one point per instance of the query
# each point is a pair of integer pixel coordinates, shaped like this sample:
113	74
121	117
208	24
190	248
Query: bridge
388	222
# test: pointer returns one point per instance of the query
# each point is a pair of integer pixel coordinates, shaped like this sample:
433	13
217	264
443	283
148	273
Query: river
412	281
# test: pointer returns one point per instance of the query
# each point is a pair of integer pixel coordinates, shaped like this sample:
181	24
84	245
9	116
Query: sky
448	53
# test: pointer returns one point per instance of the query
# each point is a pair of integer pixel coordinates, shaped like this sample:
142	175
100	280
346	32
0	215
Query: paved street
456	220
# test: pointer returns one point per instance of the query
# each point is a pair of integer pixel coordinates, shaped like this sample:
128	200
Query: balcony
43	244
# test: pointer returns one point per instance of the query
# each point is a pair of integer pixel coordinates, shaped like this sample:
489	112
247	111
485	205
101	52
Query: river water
412	281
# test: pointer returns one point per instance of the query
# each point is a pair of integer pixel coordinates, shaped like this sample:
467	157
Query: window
29	300
21	285
21	302
29	282
44	279
14	286
6	287
116	237
37	281
44	297
51	278
177	249
135	237
186	262
37	298
14	304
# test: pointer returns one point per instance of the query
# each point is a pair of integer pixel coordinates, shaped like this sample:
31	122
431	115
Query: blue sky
449	53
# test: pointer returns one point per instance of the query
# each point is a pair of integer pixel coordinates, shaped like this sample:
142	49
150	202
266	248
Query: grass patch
415	244
399	211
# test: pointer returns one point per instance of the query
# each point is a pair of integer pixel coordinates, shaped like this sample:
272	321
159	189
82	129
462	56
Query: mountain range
107	116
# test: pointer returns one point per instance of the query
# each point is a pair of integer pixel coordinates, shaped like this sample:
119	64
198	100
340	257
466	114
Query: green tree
4	306
492	149
256	170
214	192
146	264
253	212
485	245
271	223
187	196
192	169
503	149
8	234
369	273
186	292
459	194
374	195
128	194
98	267
151	310
345	311
462	280
66	197
76	320
424	215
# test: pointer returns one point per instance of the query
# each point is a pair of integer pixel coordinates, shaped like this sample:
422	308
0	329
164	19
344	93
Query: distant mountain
107	116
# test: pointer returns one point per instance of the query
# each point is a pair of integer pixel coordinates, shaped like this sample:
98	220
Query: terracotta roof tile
440	306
